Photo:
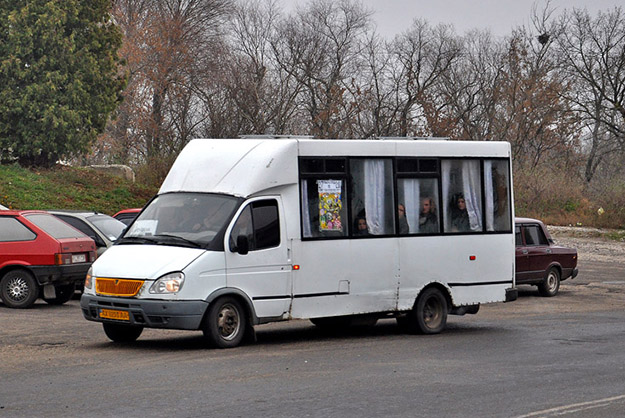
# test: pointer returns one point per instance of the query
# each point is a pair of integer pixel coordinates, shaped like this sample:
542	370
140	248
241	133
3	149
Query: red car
539	261
127	215
40	255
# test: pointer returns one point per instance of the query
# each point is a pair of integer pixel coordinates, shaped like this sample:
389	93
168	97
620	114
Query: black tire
121	333
64	293
428	316
550	286
19	289
225	323
431	311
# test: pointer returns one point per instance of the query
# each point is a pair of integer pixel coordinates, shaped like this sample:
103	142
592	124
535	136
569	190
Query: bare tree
425	55
264	93
593	54
320	46
470	88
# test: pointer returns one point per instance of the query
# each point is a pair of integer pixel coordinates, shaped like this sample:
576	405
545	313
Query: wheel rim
17	289
432	312
552	281
228	322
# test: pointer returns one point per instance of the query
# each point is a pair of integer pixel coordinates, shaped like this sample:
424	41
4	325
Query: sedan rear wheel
550	286
19	289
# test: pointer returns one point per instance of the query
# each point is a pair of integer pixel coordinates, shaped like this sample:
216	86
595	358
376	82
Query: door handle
525	251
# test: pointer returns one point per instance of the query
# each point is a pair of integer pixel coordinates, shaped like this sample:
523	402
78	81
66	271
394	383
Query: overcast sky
500	16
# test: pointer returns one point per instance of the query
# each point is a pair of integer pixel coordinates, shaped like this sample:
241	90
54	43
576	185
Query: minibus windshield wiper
132	240
179	239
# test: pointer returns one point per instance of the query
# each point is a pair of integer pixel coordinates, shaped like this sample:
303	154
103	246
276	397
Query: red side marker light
472	257
295	266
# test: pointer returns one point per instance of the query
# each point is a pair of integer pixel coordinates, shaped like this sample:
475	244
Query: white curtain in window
374	195
445	178
471	189
306	210
489	194
412	202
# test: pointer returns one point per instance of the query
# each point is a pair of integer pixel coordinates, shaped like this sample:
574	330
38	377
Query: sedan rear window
54	226
534	236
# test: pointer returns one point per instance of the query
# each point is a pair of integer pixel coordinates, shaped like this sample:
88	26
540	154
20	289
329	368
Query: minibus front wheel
225	323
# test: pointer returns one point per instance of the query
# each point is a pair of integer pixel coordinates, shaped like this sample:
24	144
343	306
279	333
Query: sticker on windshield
144	228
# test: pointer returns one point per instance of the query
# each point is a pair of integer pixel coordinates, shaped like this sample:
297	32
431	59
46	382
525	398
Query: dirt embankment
592	244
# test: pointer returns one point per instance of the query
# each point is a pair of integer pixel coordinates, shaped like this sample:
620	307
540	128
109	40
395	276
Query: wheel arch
445	291
555	265
241	296
10	267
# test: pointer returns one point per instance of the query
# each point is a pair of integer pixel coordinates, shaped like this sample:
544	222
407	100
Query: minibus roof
247	166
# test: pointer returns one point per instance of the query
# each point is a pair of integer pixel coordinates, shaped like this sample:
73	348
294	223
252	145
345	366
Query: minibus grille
117	287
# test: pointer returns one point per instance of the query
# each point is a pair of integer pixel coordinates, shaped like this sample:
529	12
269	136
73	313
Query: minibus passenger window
418	209
462	195
496	192
324	212
372	196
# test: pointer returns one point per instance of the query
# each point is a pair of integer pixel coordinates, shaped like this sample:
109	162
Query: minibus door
257	260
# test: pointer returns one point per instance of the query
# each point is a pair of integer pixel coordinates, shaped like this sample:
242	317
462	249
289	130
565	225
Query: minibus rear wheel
225	323
431	311
428	316
121	333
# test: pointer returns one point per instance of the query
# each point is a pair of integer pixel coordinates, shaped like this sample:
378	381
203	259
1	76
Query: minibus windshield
184	219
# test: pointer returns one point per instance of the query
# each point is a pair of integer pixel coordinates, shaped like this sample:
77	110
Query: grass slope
69	188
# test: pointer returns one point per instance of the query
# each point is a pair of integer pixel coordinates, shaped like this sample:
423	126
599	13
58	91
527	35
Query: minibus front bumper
146	313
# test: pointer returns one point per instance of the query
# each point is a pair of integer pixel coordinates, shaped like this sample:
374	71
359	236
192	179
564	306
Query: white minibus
254	230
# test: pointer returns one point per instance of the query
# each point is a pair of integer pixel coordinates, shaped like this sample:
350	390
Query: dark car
127	215
41	256
539	261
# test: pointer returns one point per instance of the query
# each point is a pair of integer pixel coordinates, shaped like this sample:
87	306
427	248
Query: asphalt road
536	357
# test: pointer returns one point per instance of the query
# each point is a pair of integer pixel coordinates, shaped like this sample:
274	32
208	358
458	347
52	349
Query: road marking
576	407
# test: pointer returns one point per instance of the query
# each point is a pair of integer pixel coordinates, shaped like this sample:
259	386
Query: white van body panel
342	277
264	275
238	167
144	261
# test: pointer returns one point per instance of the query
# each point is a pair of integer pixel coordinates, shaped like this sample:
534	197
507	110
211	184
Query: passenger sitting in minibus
428	220
361	227
459	214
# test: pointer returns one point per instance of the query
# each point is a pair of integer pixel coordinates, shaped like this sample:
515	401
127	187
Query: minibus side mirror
243	245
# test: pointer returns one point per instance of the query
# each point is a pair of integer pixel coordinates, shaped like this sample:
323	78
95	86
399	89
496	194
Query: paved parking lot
533	357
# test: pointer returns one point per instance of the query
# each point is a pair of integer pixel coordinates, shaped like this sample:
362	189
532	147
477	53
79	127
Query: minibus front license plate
112	314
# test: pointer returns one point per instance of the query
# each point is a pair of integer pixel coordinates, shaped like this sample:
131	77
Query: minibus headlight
169	283
88	278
